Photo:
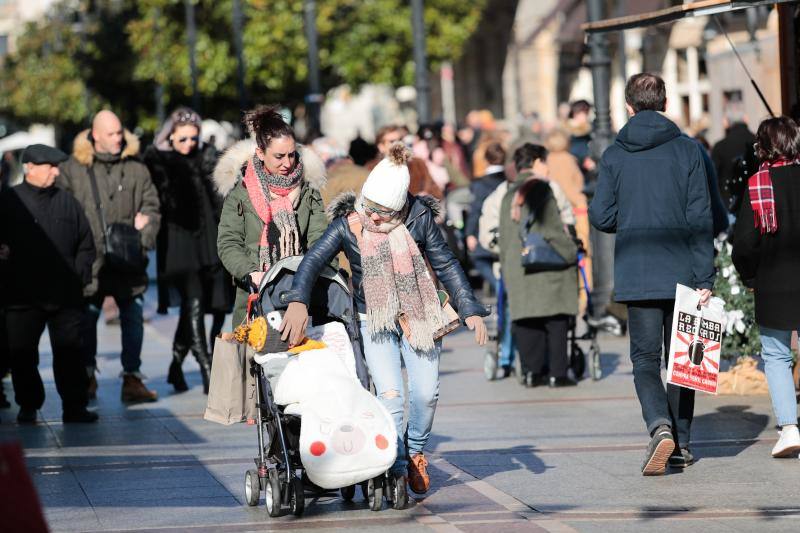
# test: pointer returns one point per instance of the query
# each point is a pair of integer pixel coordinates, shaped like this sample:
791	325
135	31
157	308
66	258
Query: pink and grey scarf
396	282
762	196
272	198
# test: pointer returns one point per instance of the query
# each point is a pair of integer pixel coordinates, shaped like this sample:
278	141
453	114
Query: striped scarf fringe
396	282
762	195
277	211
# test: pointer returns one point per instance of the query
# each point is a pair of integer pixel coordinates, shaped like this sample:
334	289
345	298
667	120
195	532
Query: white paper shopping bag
696	341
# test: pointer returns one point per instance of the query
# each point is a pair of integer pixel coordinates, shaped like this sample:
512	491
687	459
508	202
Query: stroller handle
253	301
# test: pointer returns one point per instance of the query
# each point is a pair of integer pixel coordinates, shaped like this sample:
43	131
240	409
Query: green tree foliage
371	40
158	38
125	48
43	80
741	334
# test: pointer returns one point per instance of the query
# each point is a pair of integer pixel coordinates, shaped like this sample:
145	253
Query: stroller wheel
298	499
273	494
594	363
518	369
252	487
577	362
348	493
490	364
375	493
399	492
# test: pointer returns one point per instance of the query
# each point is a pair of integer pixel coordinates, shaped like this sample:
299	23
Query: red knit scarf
762	196
261	187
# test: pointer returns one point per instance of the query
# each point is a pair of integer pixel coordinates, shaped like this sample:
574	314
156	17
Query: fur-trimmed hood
345	203
83	150
228	171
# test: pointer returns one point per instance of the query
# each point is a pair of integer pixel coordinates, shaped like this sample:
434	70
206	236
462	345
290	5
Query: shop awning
689	9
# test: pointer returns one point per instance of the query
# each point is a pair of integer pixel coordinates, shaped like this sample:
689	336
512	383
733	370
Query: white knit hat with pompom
387	184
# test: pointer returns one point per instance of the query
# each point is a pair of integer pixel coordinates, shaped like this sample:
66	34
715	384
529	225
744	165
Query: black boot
198	336
175	375
180	347
205	372
4	404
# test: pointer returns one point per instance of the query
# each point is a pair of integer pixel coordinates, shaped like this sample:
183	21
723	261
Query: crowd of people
477	210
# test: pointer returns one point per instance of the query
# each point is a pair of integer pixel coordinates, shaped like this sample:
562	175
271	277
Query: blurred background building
536	58
13	16
518	59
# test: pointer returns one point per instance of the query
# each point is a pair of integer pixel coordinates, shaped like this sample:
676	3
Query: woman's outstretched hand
295	320
476	323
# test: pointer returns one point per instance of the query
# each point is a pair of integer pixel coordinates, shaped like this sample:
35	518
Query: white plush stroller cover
346	435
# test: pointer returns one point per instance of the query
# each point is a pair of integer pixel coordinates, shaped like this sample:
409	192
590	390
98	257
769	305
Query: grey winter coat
125	189
539	294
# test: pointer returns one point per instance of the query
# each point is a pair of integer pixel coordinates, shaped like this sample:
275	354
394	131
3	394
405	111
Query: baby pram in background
279	470
577	356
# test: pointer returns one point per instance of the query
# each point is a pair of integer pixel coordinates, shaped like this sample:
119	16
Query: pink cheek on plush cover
381	442
317	448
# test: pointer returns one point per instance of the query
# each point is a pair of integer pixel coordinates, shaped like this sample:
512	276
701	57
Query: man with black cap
46	255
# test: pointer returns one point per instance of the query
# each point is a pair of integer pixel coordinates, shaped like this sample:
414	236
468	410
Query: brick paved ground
503	458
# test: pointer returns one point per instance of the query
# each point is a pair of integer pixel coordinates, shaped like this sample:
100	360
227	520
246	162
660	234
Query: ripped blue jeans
385	355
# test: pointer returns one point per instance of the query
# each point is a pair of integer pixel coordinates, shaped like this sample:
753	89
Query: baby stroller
279	471
577	356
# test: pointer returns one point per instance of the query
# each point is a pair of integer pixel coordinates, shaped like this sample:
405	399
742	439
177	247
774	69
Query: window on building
702	68
685	110
732	97
683	65
706	105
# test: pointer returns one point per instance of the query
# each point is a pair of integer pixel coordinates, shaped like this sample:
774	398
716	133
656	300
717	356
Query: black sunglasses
184	139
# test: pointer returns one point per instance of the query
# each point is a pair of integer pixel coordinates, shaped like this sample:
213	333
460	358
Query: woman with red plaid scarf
766	252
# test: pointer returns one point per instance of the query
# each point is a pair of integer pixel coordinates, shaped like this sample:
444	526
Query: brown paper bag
232	390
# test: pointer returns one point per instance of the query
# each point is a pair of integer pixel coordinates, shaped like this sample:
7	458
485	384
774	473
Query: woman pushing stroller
398	305
273	207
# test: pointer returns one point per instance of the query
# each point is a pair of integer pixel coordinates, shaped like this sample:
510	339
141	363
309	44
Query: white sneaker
788	444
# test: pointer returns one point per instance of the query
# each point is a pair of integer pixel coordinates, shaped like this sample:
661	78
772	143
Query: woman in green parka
273	208
540	303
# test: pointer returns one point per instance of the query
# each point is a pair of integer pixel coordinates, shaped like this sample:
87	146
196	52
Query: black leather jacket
422	226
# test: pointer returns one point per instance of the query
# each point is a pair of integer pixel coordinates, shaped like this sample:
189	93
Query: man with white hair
117	195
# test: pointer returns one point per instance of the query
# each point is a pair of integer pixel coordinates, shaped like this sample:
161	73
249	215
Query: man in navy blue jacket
652	191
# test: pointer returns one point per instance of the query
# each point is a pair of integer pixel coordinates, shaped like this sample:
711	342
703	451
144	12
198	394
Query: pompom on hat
387	184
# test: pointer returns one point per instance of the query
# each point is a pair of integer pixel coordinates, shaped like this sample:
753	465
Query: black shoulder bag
537	254
124	253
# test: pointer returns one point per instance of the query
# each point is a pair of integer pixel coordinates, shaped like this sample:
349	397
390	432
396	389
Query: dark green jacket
543	293
125	189
240	227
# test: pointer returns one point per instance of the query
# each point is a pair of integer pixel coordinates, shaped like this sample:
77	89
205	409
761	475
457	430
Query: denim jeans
485	267
776	351
131	321
650	326
385	355
504	325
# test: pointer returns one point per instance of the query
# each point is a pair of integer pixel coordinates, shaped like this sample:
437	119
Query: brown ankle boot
418	478
134	391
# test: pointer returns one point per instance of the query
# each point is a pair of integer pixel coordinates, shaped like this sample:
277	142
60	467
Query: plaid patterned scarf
762	196
396	281
277	213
